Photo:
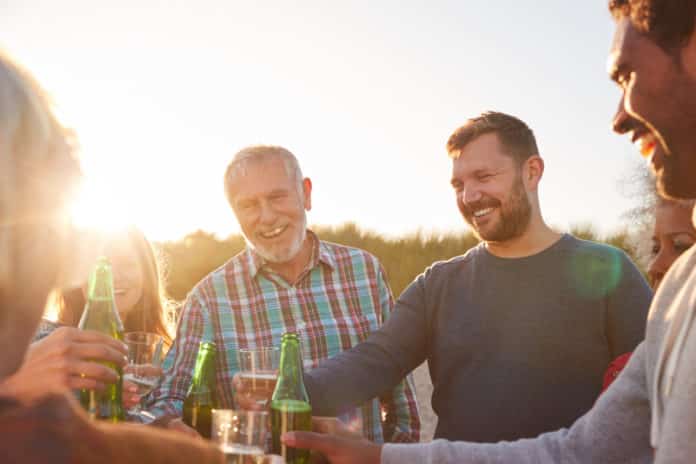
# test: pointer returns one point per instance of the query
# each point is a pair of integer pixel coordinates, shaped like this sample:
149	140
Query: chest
329	316
517	318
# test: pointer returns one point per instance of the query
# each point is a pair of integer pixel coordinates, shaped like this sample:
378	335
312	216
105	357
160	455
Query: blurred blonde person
37	170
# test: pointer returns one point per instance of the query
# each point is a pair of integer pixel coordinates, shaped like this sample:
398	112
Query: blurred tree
188	260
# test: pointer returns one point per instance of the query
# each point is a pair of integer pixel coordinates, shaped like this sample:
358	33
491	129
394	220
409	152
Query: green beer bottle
290	409
200	399
100	315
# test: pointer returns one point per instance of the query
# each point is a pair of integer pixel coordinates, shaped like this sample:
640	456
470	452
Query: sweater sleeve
615	430
376	365
678	425
399	407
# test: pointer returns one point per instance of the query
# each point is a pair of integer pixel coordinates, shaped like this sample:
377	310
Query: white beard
282	255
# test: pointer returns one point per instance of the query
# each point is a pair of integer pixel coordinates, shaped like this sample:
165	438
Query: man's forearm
351	378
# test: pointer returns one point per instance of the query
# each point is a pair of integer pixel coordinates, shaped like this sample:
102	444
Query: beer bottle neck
290	377
101	282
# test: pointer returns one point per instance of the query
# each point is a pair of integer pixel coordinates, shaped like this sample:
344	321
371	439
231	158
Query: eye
246	206
680	246
655	249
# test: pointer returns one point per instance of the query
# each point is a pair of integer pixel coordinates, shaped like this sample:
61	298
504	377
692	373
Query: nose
470	195
658	267
266	213
622	121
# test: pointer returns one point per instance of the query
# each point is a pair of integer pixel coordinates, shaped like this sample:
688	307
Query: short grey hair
255	153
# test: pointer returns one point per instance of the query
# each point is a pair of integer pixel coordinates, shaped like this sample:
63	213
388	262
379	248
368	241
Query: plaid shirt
337	301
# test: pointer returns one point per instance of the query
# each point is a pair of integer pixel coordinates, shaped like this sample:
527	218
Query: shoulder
595	250
591	259
454	265
209	285
343	255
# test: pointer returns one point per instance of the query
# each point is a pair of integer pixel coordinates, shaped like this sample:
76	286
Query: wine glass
144	365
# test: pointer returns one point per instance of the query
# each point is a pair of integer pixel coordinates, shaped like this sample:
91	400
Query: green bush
188	260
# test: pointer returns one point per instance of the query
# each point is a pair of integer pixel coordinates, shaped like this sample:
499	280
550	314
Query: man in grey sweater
518	332
649	413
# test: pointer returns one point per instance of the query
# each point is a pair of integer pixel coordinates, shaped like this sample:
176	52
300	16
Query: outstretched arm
376	365
614	431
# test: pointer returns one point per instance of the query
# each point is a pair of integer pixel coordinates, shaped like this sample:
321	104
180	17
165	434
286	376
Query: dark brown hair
669	23
152	313
515	136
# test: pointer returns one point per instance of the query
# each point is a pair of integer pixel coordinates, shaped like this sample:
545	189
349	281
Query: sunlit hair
256	153
669	23
37	167
154	312
516	138
642	217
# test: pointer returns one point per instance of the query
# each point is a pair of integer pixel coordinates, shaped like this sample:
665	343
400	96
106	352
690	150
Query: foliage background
188	260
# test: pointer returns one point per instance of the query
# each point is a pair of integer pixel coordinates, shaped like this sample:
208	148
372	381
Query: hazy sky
365	93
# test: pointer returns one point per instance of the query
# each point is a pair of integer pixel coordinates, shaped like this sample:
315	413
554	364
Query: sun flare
100	206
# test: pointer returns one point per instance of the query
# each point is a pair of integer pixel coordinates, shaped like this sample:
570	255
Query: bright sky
365	93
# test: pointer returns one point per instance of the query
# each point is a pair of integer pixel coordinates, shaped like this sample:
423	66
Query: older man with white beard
286	280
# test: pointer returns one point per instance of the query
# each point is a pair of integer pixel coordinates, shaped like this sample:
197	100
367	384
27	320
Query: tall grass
188	260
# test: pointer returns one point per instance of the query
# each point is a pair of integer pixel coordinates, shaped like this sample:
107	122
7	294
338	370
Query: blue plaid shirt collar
320	255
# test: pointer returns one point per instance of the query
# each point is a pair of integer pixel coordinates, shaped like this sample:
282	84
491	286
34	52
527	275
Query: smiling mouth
482	212
646	144
273	233
120	291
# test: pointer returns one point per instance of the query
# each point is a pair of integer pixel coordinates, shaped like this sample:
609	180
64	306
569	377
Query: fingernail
288	438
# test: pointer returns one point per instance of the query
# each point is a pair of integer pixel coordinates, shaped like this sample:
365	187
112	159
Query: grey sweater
660	376
516	347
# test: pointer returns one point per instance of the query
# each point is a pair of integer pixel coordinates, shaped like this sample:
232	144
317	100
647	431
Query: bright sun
99	206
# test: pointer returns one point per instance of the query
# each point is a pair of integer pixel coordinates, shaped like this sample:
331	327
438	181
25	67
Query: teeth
273	233
119	291
482	212
646	145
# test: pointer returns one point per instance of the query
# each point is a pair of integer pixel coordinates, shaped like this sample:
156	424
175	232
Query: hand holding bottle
66	360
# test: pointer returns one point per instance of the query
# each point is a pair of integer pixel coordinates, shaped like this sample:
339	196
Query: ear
533	171
307	193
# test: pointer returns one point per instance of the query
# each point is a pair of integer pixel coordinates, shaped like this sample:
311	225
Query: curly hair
669	23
